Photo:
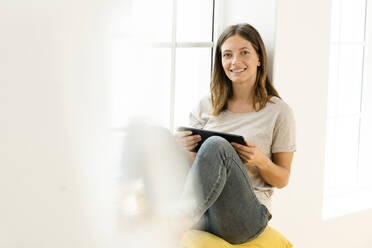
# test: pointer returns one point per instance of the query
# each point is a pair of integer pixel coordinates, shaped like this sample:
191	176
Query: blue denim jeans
228	206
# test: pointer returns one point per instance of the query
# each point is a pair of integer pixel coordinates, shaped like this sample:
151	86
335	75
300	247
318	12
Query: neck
242	93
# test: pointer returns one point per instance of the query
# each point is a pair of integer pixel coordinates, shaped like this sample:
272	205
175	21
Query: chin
239	81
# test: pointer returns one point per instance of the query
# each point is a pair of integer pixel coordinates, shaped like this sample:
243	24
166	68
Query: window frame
173	45
338	203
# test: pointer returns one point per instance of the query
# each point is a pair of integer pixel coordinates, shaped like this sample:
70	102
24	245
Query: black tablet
205	134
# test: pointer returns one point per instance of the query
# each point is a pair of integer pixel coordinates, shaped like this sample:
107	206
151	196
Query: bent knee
216	143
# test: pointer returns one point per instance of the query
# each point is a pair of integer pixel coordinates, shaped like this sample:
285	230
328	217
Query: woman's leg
228	206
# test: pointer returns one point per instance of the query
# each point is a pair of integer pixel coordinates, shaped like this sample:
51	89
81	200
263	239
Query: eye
245	52
226	55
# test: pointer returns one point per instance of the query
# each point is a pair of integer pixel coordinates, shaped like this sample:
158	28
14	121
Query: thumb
249	144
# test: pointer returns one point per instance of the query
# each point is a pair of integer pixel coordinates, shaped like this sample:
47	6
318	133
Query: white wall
52	129
260	14
301	47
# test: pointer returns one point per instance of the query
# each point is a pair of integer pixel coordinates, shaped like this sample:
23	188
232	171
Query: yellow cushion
269	238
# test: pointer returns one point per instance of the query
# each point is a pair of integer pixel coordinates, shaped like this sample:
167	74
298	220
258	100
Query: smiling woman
237	181
241	60
185	65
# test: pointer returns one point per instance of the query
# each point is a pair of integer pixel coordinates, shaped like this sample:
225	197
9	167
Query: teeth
239	70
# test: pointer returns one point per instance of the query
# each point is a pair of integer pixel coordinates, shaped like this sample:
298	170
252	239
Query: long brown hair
221	85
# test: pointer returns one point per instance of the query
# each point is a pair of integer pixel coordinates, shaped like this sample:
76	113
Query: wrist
264	164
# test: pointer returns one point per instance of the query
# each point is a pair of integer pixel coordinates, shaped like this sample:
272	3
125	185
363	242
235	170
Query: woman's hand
276	174
186	140
251	155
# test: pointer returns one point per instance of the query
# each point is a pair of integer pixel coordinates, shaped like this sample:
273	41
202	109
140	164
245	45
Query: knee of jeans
240	239
216	144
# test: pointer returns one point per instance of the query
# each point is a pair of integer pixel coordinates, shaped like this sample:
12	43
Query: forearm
273	174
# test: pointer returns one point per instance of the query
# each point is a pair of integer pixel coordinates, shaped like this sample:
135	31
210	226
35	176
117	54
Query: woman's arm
276	172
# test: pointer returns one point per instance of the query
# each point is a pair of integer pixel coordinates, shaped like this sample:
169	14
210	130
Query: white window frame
354	199
173	45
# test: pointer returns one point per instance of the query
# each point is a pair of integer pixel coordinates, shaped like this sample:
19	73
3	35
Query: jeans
227	206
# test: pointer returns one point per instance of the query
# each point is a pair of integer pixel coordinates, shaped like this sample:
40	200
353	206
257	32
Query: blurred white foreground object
154	172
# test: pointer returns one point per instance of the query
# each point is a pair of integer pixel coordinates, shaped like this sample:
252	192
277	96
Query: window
161	61
347	163
161	65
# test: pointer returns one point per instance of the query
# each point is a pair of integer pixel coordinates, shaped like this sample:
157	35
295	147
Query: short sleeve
199	115
284	137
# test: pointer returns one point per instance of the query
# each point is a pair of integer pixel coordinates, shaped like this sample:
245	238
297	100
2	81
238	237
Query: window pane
341	155
365	165
335	20
193	73
194	22
349	79
332	81
367	78
353	19
140	84
152	20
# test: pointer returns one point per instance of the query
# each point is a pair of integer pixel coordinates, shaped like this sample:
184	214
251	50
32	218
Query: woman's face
239	60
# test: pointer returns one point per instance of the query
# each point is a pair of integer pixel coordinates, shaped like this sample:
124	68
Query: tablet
205	134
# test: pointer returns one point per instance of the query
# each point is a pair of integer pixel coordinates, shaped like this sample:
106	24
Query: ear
258	63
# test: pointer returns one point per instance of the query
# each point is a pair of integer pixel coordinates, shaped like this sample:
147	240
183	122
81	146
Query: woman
236	181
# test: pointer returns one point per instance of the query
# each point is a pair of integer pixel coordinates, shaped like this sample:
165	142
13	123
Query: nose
235	59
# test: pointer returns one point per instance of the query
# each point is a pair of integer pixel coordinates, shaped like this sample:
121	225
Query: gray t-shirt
272	129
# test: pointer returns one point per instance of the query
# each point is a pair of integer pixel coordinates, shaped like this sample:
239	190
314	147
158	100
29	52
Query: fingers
181	134
245	158
190	147
191	140
244	152
188	141
241	147
249	144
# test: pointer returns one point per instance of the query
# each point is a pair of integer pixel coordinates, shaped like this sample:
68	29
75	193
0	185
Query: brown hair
221	86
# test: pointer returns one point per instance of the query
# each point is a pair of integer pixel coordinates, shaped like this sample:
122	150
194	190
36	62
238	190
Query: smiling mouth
238	70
